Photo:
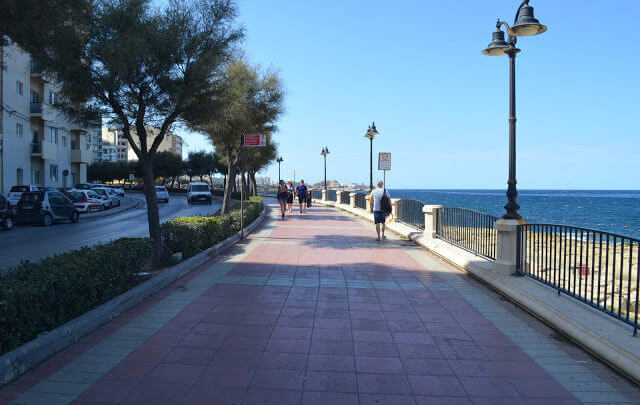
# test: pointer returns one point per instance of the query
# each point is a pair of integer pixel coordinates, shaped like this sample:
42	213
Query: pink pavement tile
383	384
372	336
254	331
236	358
331	381
226	376
369	315
149	353
539	388
207	394
412	337
405	326
378	365
426	366
174	374
445	386
366	399
244	343
331	347
288	345
474	368
332	323
517	369
204	328
369	324
157	393
419	351
332	334
189	355
202	341
435	400
326	398
461	352
295	322
272	397
277	379
130	370
165	339
331	362
284	361
284	332
380	349
479	387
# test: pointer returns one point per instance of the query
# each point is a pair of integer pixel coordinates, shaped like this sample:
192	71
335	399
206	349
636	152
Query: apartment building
109	153
38	144
116	138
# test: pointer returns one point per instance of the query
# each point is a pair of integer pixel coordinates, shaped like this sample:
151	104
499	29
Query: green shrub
38	297
191	235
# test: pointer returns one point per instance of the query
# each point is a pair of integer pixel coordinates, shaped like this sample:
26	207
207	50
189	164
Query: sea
615	211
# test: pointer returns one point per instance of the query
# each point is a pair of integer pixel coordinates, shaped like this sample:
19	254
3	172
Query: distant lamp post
325	152
279	160
371	133
524	25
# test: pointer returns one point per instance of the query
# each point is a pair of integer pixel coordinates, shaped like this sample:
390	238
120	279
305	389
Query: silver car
109	197
162	194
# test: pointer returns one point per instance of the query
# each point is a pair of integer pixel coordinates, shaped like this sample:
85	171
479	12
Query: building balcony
80	156
44	150
36	72
35	108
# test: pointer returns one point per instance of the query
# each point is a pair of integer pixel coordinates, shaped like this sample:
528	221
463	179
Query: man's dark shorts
302	199
378	217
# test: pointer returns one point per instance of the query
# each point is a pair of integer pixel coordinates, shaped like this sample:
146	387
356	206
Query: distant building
118	140
109	152
263	180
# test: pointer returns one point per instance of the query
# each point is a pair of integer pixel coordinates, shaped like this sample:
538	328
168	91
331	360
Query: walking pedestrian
376	205
283	194
291	190
302	196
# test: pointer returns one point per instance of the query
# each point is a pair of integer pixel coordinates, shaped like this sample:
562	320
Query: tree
255	159
167	165
140	65
251	103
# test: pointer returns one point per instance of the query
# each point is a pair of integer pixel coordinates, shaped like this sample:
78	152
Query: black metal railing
35	107
331	195
468	229
36	147
34	69
410	213
595	267
316	194
344	197
361	201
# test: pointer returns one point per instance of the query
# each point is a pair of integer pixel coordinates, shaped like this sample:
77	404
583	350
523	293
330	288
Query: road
32	242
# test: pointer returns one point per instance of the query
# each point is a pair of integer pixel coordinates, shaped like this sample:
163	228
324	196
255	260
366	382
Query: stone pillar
507	246
394	208
352	200
368	209
324	195
430	220
338	196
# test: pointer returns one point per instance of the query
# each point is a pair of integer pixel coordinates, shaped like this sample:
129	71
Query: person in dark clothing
302	196
283	194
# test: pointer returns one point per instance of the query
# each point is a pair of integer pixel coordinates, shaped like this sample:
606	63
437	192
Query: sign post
248	141
384	164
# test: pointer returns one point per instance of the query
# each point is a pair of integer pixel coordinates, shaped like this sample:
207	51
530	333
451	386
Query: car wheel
74	217
7	223
47	219
119	202
89	209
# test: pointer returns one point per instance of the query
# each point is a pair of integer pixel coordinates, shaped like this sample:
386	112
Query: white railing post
338	196
430	220
352	200
394	208
324	195
368	208
507	246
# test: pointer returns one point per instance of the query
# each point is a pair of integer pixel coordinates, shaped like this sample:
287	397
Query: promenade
312	309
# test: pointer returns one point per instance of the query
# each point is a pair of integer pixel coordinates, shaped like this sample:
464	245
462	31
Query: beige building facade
38	144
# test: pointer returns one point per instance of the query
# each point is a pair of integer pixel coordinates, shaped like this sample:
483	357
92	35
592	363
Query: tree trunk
255	184
243	184
226	199
152	209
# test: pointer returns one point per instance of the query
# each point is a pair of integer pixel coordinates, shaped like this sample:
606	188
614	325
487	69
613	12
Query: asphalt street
33	242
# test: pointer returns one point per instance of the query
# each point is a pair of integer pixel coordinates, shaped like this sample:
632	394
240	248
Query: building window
52	98
53	135
34	96
35	177
19	87
19	130
53	172
19	177
64	141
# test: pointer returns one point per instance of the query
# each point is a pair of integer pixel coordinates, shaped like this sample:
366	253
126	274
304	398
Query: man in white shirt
375	203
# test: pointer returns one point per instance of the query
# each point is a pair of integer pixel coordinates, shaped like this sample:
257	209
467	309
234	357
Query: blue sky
415	68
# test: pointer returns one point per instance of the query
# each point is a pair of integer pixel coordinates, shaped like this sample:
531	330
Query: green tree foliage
251	102
168	165
140	64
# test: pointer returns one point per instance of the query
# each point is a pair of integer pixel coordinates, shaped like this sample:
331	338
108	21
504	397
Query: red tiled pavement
309	343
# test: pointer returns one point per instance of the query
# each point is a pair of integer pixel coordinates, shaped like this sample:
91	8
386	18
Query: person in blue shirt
302	196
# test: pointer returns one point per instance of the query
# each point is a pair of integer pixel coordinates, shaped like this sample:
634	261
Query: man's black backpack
385	203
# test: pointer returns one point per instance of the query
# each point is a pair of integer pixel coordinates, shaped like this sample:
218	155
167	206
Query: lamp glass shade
526	24
498	45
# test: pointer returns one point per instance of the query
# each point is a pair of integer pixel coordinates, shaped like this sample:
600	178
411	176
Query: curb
110	213
27	356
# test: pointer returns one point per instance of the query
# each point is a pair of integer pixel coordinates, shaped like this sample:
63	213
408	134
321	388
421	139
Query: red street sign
254	140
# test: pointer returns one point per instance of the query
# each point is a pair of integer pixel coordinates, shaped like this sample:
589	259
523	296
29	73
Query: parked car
7	218
162	194
16	192
45	207
118	189
198	192
109	197
85	201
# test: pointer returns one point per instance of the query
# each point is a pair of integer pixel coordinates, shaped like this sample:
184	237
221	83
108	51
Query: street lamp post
524	25
371	133
325	152
279	160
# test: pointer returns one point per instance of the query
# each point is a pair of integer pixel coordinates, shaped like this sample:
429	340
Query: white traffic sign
384	161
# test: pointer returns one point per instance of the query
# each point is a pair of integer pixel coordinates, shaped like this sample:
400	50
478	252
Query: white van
198	192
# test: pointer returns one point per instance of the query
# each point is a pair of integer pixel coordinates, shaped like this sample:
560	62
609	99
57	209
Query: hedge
191	235
40	296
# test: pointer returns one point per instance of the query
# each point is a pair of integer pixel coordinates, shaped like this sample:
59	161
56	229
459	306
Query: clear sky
415	68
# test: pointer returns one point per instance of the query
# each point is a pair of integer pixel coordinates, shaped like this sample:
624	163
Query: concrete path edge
20	360
599	334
